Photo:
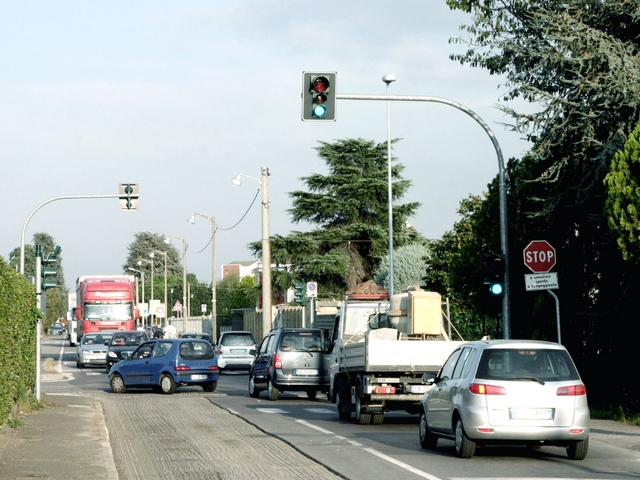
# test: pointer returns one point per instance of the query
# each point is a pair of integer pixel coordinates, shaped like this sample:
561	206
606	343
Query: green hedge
18	323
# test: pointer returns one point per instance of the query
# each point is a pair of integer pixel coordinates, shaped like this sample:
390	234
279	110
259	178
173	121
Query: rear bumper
235	363
295	382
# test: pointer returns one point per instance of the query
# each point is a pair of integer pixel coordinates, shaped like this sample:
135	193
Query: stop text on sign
539	256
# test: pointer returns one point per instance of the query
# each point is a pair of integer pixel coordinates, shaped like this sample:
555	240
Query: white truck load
382	348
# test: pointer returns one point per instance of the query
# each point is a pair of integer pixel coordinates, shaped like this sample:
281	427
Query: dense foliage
18	321
577	61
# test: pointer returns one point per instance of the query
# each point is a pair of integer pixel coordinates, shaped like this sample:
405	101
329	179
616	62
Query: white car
505	392
92	349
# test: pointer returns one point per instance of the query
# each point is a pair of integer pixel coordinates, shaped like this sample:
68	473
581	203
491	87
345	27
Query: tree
349	207
409	267
231	293
577	61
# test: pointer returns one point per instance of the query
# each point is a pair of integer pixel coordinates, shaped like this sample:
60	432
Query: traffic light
49	272
128	193
318	96
300	293
494	274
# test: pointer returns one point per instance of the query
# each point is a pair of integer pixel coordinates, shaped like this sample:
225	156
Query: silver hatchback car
507	392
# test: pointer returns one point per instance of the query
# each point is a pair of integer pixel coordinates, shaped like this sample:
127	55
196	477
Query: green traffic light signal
300	292
318	96
49	272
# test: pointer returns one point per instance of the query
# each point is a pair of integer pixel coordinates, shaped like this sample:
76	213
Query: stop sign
539	256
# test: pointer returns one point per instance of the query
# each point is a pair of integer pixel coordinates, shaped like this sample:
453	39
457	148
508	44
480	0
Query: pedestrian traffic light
128	193
494	273
318	96
49	272
300	293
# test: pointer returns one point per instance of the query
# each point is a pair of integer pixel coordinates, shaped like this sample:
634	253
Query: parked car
201	336
507	392
235	350
122	344
166	364
290	359
92	349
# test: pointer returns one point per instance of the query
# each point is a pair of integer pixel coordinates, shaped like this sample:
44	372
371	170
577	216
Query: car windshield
514	364
96	338
128	339
238	339
301	342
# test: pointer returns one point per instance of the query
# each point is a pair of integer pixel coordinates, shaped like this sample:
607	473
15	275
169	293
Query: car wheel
273	391
117	384
253	391
78	364
312	394
427	438
465	447
167	384
578	450
344	412
361	417
209	387
108	368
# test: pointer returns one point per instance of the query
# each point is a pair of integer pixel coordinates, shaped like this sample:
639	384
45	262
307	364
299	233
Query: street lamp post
142	277
150	299
266	248
185	314
214	311
166	306
388	79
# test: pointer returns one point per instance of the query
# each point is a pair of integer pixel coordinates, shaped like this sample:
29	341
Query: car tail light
572	391
180	368
483	389
390	390
277	362
213	367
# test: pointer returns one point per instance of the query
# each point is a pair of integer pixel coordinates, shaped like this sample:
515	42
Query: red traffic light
320	84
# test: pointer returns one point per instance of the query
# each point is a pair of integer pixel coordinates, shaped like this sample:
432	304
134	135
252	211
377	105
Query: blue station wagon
166	364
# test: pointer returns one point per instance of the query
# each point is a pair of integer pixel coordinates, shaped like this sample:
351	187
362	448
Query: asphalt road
228	434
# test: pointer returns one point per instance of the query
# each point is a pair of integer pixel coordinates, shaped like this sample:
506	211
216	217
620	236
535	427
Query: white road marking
310	425
400	464
271	410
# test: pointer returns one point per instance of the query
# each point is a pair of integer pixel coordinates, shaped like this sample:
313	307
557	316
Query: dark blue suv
165	365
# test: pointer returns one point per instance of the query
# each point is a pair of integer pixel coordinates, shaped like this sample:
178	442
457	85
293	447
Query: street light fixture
142	277
140	264
166	306
185	310
214	228
266	248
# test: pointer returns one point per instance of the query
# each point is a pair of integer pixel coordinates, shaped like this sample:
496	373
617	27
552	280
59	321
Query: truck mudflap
402	397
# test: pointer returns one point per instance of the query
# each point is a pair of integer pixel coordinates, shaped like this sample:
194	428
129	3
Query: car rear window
196	351
238	339
301	342
511	364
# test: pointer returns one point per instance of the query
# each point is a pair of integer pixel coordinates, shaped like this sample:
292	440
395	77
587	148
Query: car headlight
112	355
84	352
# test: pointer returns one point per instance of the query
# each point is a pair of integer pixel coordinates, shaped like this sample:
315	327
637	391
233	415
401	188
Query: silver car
92	349
235	350
506	392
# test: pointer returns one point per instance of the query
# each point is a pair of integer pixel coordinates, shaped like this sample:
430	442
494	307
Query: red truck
106	302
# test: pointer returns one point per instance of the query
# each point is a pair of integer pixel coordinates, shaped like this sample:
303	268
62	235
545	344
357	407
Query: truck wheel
344	410
377	418
272	390
362	418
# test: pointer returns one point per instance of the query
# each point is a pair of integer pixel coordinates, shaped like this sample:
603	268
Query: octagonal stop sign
539	256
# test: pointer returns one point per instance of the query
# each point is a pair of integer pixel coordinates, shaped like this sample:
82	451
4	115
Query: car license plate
306	371
531	413
198	377
419	388
238	350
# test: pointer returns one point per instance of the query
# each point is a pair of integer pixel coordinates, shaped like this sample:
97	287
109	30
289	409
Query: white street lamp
214	311
388	79
185	310
266	248
142	277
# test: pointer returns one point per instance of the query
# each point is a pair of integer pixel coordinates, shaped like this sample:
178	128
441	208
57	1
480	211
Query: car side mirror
429	378
253	352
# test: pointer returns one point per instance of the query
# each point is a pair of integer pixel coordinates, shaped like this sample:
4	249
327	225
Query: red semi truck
106	302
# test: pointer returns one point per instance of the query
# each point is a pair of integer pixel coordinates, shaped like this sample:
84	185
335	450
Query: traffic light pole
504	245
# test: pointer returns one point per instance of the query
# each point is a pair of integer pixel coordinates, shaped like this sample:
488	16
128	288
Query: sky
180	97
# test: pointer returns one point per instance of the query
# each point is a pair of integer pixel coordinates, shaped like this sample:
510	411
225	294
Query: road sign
541	281
177	307
539	256
312	289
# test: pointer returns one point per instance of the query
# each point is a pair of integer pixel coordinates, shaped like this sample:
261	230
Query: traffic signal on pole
128	193
49	272
318	96
494	274
300	293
